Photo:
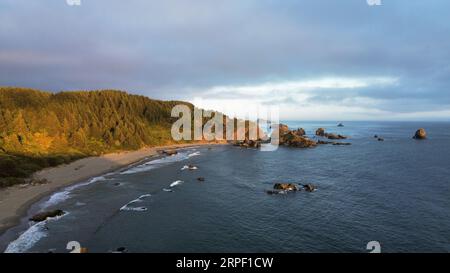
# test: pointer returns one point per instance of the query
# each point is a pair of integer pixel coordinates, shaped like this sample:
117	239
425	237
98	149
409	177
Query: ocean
395	192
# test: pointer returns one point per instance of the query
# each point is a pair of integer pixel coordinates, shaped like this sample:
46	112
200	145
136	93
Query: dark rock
300	132
47	214
380	139
201	179
117	184
309	187
375	136
341	143
323	142
286	186
420	134
340	125
170	152
320	132
334	136
121	249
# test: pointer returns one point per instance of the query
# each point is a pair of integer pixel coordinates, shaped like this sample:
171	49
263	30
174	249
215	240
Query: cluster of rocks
378	138
419	134
322	142
247	143
294	138
321	133
283	188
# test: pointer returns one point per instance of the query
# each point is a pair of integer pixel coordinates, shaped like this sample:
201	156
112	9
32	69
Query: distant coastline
15	201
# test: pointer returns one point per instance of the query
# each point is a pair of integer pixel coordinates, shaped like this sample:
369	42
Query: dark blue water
396	192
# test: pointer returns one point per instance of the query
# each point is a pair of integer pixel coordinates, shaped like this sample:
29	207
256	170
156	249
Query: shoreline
16	201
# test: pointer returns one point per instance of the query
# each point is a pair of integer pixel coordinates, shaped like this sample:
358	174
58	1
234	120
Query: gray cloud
177	49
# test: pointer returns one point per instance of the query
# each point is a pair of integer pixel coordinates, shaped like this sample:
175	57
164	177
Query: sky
311	59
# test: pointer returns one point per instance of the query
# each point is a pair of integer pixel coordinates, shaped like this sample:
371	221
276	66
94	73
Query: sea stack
420	134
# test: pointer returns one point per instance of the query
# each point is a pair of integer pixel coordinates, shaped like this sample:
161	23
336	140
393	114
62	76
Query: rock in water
284	129
300	132
47	214
320	132
170	152
309	187
420	134
285	186
201	179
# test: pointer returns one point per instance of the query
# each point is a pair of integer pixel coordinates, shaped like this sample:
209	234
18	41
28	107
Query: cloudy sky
315	60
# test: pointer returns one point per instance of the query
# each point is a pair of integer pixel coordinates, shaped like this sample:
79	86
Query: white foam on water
194	154
176	183
63	195
145	196
31	236
127	207
187	167
153	164
167	190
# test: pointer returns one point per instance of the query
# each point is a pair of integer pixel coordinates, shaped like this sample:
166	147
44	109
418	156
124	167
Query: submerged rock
380	139
420	134
47	214
201	179
321	132
323	142
334	136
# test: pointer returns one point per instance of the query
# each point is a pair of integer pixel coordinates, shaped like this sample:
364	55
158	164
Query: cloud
176	49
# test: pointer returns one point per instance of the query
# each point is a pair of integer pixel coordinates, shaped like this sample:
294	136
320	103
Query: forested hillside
41	129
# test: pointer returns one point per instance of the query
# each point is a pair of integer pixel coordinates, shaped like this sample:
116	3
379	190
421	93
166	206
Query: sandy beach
16	200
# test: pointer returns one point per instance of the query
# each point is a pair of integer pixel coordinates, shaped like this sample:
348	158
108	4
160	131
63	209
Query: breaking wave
31	236
176	183
63	195
157	163
141	198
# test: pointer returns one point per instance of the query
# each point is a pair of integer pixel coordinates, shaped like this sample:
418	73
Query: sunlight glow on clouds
296	99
